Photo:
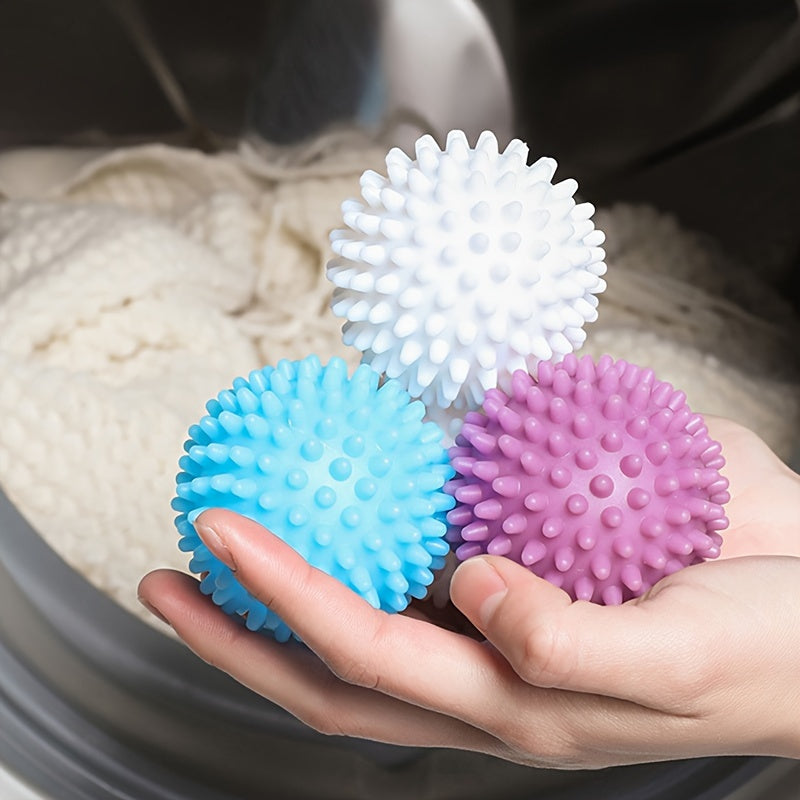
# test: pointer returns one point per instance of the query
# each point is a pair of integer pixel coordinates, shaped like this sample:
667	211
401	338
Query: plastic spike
652	500
308	409
413	244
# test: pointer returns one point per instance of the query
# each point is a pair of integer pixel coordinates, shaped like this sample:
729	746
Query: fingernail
214	543
153	610
490	588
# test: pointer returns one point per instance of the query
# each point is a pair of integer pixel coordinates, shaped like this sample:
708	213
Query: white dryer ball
463	266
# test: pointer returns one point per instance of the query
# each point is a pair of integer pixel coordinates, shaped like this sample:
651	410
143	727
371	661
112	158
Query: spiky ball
463	266
344	471
597	477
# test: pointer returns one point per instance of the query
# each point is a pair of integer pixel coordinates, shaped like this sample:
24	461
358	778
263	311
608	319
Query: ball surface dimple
343	470
595	476
464	265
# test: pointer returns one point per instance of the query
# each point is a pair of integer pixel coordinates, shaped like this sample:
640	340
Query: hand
705	664
764	509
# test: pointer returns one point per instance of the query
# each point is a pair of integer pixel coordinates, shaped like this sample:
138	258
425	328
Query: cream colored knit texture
141	286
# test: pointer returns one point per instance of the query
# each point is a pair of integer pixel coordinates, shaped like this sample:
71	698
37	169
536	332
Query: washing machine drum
96	704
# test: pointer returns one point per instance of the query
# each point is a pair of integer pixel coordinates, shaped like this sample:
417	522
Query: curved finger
391	653
291	676
547	728
552	642
765	495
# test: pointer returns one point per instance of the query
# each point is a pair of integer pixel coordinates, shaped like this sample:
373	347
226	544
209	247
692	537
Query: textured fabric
135	287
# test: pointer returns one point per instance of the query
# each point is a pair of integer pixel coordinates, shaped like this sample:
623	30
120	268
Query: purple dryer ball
597	477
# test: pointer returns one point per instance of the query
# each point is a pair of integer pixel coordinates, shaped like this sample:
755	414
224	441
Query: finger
755	472
294	678
361	645
547	728
765	495
551	641
394	654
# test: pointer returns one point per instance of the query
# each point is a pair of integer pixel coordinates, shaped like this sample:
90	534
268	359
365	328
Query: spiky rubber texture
597	477
463	266
344	471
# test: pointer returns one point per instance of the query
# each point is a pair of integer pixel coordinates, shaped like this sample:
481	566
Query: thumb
620	651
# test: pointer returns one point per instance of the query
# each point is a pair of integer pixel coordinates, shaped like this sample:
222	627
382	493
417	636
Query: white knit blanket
136	284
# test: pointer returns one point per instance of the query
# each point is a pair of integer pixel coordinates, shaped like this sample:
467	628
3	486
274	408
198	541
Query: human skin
706	663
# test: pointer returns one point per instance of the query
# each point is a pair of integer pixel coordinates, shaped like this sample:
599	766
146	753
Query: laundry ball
341	468
463	265
595	476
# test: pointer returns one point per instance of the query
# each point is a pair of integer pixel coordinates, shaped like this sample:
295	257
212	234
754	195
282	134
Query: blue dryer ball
342	469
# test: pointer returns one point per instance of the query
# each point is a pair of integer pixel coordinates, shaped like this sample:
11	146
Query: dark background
691	105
